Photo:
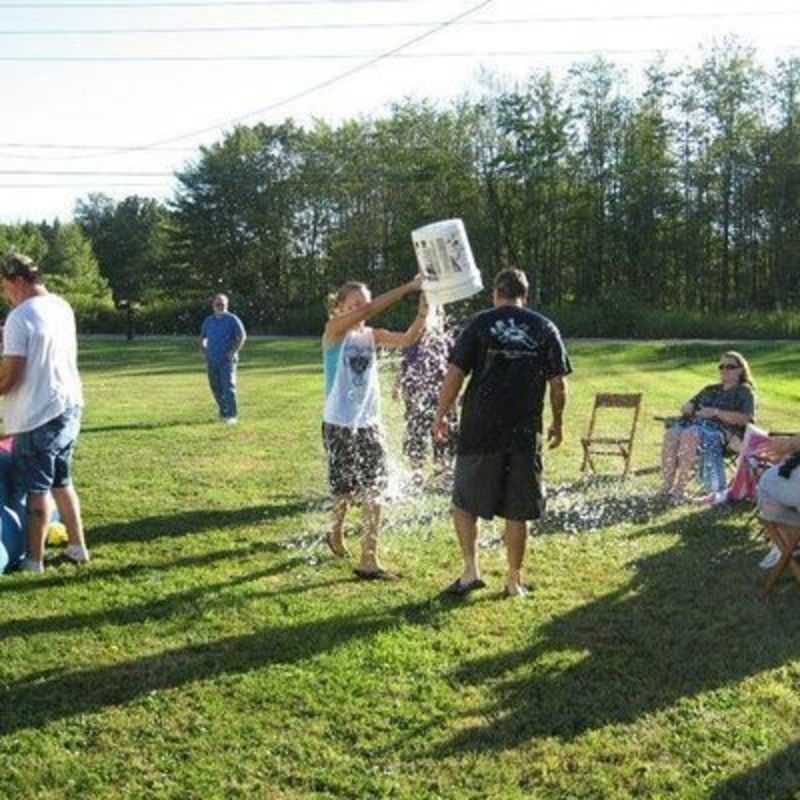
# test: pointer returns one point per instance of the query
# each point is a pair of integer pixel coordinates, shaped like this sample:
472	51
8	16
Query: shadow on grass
777	777
689	622
148	529
40	699
98	573
147	426
180	603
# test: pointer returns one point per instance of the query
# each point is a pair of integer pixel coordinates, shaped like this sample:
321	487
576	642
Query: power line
394	25
347	57
65	173
104	147
311	89
55	148
62	186
198	4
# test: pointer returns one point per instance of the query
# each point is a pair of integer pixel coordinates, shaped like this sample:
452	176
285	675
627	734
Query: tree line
681	195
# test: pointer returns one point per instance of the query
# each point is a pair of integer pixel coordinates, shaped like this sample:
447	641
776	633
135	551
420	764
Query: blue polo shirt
221	332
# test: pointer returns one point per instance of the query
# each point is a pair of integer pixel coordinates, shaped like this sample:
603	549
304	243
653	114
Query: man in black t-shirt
512	354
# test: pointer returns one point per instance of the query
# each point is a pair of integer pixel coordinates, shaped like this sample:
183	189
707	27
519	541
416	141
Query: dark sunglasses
730	366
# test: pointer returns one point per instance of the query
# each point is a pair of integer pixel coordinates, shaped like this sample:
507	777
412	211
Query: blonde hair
335	299
747	373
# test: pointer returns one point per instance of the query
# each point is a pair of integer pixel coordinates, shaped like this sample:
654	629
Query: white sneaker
29	565
230	420
77	554
716	498
771	558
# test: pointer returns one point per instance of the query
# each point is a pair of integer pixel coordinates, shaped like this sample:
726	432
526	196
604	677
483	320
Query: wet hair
747	374
335	299
16	265
511	284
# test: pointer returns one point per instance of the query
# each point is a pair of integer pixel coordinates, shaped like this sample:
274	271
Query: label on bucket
446	262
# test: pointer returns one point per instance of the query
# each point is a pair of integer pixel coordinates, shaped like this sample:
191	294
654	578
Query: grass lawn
213	649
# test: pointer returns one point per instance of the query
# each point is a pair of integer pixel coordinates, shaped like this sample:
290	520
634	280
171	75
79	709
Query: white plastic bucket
446	262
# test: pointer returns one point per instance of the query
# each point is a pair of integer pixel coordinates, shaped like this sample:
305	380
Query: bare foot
516	590
336	545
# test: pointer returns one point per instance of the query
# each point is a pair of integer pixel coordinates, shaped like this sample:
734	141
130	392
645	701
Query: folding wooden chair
787	540
619	445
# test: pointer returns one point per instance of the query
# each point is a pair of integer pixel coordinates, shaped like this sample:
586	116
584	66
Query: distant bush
628	321
610	319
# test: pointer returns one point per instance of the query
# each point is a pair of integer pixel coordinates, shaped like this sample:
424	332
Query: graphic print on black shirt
509	353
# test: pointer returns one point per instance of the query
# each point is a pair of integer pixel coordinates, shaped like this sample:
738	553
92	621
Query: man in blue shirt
222	336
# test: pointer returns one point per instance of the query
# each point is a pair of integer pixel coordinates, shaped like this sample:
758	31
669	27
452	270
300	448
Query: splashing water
416	497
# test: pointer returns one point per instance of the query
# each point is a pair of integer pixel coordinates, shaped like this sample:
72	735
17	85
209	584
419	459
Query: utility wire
393	25
103	147
347	57
62	186
309	90
199	4
62	172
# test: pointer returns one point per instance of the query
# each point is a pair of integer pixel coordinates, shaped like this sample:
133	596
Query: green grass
213	649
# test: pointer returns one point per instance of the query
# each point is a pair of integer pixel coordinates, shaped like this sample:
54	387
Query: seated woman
713	420
779	503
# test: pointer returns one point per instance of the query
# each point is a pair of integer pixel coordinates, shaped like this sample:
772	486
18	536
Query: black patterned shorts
356	459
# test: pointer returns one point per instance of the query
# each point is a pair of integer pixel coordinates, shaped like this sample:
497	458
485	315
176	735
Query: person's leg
67	502
370	478
466	526
228	389
214	384
39	510
687	459
373	517
524	500
516	538
34	471
69	508
336	535
669	456
417	433
477	492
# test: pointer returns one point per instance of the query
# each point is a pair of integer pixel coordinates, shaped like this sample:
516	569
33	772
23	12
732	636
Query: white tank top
354	398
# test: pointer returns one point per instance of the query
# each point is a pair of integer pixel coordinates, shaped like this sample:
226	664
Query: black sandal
460	589
376	575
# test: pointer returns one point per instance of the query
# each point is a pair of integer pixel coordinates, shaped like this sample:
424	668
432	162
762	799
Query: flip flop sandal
460	589
376	575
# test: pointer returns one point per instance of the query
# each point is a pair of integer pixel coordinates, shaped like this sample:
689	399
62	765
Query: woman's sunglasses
730	366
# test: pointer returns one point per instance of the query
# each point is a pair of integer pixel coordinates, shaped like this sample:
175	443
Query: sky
78	89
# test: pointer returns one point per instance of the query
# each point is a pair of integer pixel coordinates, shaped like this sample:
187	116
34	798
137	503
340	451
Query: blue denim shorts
43	456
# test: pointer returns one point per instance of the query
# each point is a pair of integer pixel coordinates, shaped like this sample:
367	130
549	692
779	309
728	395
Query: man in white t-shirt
43	400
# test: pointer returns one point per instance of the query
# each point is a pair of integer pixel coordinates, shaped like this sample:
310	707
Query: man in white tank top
43	401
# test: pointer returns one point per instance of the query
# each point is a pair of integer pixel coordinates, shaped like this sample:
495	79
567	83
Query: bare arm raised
390	339
337	327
